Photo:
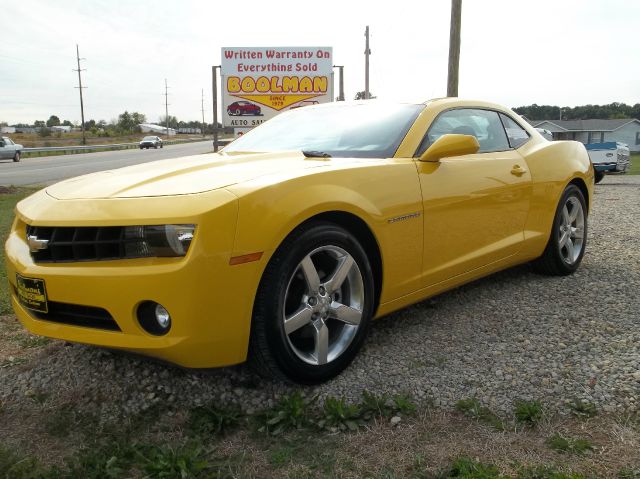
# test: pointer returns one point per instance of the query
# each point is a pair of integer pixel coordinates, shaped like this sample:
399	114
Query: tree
38	123
53	121
360	95
67	123
173	121
138	117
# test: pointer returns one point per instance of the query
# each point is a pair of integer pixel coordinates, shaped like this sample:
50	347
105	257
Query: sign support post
214	88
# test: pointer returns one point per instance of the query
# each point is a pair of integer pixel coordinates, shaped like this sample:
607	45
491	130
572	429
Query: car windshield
149	138
366	130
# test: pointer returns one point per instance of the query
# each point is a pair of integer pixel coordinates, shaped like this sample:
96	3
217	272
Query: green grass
573	445
635	164
528	412
472	408
7	204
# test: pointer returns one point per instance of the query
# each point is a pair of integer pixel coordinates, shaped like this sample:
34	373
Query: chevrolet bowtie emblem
36	244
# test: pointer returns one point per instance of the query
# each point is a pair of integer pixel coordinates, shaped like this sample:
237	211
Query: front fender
270	209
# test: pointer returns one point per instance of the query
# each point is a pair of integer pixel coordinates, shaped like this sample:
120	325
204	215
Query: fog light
162	316
154	318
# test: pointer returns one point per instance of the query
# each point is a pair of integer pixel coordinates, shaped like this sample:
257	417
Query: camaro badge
36	244
404	217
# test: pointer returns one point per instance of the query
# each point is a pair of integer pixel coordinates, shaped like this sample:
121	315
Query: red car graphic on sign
238	108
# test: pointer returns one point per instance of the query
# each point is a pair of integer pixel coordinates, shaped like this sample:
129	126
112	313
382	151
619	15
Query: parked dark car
9	150
151	142
238	108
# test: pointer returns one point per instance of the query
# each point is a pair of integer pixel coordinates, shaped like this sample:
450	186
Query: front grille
76	315
67	244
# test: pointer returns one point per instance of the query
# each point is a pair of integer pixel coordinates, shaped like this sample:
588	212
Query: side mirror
451	145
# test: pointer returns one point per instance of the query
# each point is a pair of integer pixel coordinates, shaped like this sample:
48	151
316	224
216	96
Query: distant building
62	128
594	131
151	128
7	129
192	131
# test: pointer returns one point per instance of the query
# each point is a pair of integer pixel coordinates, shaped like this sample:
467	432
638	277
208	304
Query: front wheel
313	307
599	176
568	238
16	157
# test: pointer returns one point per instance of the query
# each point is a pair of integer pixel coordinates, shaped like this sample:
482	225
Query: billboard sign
258	83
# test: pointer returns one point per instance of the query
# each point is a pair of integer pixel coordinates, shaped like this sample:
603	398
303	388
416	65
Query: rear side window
517	135
485	125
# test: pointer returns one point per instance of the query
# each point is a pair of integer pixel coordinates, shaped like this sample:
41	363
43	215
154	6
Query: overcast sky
561	52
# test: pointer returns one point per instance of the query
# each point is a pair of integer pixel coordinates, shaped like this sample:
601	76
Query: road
48	169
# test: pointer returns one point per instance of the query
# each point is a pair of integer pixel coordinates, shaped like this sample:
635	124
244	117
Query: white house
594	131
151	128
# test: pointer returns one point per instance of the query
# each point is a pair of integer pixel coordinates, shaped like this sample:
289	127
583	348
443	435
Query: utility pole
202	107
341	73
214	88
166	106
454	48
367	52
80	87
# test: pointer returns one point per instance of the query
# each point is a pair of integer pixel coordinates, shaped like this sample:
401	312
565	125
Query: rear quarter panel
553	165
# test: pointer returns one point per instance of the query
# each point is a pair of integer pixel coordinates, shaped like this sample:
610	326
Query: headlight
157	240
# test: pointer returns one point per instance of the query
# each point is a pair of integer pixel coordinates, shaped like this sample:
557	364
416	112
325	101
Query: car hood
181	176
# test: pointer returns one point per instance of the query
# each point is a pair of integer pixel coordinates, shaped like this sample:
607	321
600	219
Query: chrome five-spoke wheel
571	231
313	307
323	305
568	237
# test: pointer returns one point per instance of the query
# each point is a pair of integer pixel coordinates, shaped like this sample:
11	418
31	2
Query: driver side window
485	125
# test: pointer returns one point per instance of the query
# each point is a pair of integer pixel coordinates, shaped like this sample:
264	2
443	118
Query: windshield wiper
315	154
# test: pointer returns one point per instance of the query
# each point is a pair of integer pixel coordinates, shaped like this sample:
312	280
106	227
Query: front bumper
210	302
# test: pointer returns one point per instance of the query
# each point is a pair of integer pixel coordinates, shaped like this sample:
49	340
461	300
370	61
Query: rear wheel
16	157
568	238
313	307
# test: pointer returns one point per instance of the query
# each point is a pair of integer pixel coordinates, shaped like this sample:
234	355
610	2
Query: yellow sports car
282	248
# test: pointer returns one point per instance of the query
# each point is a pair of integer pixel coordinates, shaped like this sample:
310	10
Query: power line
80	87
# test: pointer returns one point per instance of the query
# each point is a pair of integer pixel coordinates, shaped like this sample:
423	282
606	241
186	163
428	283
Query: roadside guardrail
113	146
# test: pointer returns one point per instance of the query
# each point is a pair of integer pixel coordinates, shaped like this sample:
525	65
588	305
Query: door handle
518	170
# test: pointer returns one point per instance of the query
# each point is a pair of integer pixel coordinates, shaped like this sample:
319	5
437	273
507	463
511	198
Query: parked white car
9	150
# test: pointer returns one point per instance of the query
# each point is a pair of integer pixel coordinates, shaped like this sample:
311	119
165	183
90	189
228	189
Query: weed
583	408
281	456
373	405
33	341
213	419
166	462
528	412
472	408
546	472
18	467
106	460
340	415
291	412
561	443
404	404
624	473
464	468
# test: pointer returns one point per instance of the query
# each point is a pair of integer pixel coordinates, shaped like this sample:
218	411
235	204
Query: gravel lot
514	335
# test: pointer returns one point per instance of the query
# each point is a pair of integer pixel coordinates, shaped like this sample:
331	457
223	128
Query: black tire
161	145
276	353
141	147
557	260
16	157
238	112
599	176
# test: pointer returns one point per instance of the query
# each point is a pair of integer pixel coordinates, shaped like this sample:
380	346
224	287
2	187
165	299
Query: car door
475	206
5	148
